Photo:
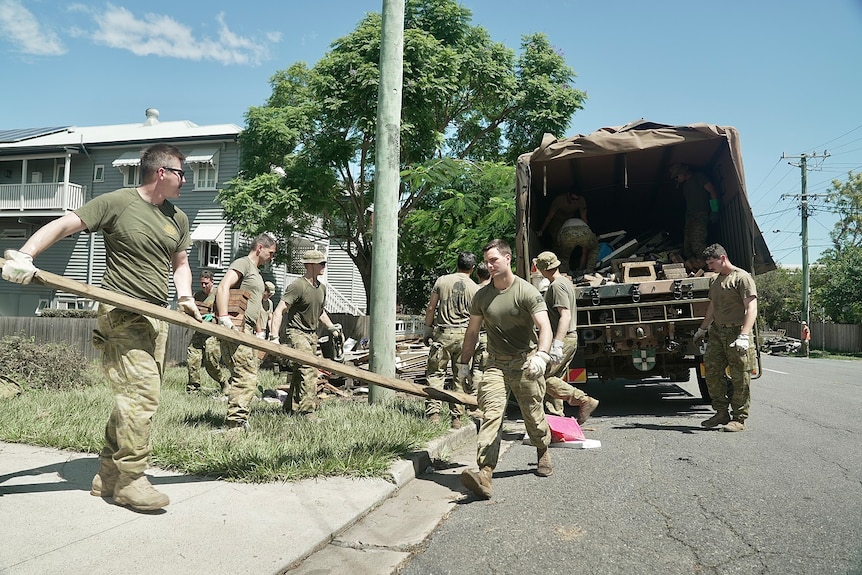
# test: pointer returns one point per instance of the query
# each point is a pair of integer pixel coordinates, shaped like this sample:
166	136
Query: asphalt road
663	495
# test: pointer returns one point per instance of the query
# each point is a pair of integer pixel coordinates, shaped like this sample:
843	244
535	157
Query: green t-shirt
455	292
304	304
727	294
508	316
252	282
561	294
140	242
205	299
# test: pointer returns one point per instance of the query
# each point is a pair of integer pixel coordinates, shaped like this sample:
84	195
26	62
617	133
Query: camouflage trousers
444	354
303	378
694	236
557	389
571	237
242	362
205	352
720	357
480	361
505	374
133	355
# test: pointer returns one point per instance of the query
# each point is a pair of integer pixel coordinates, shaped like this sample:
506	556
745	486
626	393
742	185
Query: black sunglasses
177	171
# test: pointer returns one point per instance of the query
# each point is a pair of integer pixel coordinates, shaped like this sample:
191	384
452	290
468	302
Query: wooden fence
839	337
78	332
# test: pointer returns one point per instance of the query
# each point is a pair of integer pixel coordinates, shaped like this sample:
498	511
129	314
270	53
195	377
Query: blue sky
785	73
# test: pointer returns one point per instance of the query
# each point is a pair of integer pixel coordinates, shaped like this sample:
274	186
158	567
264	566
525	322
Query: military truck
637	320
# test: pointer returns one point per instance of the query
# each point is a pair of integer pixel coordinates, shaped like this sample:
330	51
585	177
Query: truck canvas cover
623	172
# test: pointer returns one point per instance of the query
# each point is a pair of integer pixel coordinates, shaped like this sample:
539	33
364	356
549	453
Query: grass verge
350	438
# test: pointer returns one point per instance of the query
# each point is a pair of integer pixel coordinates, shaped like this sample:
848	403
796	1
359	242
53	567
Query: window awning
208	233
202	156
127	159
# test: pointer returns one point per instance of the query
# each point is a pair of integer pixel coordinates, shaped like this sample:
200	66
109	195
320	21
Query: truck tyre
701	384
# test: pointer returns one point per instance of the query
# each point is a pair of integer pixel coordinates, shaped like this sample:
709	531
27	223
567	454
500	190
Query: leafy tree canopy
839	290
308	153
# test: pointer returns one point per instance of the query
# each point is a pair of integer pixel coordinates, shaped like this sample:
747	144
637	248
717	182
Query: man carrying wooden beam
145	235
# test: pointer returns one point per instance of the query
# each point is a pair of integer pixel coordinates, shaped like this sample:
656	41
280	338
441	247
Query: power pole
384	263
803	208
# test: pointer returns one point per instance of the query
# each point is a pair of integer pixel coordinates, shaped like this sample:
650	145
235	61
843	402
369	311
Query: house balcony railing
56	197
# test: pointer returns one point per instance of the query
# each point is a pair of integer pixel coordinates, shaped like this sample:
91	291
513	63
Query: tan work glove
19	267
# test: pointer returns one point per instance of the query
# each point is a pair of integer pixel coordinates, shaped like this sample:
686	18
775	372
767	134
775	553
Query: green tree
847	198
779	296
478	205
839	291
308	153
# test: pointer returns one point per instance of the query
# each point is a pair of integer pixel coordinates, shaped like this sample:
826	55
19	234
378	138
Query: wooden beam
178	318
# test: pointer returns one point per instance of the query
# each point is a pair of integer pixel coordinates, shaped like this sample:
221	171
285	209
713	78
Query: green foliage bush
48	366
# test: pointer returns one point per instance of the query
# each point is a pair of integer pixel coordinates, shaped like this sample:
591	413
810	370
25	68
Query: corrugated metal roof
11	136
120	133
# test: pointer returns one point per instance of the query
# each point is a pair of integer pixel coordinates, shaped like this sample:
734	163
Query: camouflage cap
313	257
546	261
270	287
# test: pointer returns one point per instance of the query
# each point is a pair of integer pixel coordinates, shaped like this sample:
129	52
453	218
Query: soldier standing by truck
732	312
562	312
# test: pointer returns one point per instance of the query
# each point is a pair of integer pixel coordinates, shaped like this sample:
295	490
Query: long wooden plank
179	318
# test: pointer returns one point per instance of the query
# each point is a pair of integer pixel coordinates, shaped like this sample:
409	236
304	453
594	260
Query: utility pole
803	208
384	263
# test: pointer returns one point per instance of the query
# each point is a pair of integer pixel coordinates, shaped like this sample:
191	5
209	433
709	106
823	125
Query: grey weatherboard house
48	172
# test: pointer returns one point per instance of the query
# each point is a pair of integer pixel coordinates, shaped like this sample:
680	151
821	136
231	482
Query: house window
204	164
131	176
211	255
99	173
209	239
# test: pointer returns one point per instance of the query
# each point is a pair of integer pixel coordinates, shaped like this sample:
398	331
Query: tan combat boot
479	482
106	479
544	467
720	418
135	491
587	406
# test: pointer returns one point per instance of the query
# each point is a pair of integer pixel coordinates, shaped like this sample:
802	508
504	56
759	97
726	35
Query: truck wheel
701	384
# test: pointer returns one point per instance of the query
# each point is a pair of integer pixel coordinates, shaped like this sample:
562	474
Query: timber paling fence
841	337
78	333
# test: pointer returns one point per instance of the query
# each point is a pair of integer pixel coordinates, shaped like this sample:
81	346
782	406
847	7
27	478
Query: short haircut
207	274
714	252
482	271
264	240
466	261
158	156
500	245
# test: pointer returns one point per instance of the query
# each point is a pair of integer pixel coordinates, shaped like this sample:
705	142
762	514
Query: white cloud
19	26
158	35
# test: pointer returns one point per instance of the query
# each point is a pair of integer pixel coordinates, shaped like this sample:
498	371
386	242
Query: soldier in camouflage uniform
729	318
446	319
145	236
304	303
562	313
204	350
242	360
701	209
510	308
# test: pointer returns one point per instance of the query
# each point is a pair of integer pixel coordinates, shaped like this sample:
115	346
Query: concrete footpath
49	522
